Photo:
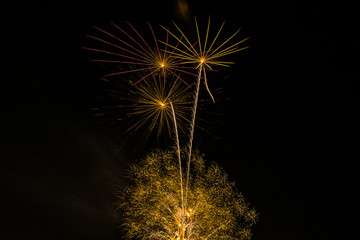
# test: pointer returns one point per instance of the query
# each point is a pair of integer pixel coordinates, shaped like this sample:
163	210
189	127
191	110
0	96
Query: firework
178	153
130	48
204	55
143	110
153	208
160	204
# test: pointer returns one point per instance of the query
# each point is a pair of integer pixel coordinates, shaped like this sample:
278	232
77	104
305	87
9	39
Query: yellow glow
202	60
162	64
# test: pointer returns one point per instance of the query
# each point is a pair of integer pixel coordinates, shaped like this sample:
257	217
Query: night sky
289	136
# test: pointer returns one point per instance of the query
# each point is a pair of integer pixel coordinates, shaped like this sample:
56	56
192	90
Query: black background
289	136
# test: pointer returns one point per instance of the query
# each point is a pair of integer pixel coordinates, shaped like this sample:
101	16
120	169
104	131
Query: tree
155	207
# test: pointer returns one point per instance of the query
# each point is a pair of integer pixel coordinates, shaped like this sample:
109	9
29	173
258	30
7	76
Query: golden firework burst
204	54
150	105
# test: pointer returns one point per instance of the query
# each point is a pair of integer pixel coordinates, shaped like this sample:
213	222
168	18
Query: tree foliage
152	206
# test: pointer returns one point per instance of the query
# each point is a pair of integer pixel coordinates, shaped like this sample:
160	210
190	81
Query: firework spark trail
127	44
111	53
207	87
152	31
192	126
140	36
128	35
121	48
178	77
145	77
179	156
129	71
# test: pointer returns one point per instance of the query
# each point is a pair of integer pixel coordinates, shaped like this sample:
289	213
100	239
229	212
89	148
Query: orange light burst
134	50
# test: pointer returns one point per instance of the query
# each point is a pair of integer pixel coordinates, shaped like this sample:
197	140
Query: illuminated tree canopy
153	207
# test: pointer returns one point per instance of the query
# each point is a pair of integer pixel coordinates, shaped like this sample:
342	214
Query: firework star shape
204	54
151	106
153	207
130	48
